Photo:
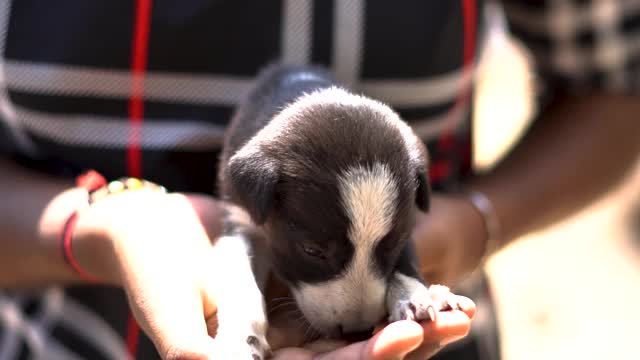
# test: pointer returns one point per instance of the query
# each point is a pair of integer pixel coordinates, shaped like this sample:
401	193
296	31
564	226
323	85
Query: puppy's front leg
409	298
242	323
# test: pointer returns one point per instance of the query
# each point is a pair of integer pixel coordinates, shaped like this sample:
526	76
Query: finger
449	323
328	348
449	327
293	354
395	341
172	315
353	351
467	306
167	300
325	345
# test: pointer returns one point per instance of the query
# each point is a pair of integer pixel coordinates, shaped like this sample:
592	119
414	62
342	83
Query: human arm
580	148
153	245
33	210
583	147
123	240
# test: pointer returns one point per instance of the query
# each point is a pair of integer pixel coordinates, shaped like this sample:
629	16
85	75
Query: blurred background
573	290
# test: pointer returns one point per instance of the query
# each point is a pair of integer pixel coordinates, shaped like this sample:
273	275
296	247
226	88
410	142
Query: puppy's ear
252	178
423	192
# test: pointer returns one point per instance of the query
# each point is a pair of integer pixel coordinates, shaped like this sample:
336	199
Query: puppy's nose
354	335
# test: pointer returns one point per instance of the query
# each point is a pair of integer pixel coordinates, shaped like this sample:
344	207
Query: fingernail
431	311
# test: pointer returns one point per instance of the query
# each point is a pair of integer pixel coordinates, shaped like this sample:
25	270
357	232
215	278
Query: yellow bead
133	184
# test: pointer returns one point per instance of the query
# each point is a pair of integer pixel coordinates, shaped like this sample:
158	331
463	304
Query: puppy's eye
311	251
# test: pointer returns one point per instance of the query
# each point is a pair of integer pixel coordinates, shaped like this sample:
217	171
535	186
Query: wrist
93	234
474	244
449	239
50	226
491	224
92	245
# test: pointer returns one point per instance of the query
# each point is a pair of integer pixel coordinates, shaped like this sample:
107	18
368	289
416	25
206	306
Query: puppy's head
334	179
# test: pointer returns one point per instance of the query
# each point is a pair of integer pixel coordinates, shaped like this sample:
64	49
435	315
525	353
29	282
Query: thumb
175	322
395	341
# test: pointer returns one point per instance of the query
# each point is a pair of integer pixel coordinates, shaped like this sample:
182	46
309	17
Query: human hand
157	247
399	340
450	240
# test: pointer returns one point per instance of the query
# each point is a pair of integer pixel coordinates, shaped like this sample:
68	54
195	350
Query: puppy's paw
260	348
444	298
415	304
241	339
253	347
410	299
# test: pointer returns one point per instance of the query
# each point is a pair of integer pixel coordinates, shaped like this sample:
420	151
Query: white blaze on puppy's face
356	299
369	196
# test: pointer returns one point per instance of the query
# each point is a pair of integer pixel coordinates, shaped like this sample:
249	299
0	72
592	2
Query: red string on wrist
67	251
90	181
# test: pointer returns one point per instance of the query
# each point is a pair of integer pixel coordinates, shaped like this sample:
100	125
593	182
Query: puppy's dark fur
284	161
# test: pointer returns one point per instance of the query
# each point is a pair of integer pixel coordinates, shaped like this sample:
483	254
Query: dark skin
580	148
570	158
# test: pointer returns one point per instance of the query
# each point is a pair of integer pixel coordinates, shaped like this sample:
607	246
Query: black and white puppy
333	180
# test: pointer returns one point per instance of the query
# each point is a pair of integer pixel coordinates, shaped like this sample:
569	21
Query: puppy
332	180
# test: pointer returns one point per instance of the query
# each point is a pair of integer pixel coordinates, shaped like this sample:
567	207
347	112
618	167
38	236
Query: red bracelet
67	252
90	181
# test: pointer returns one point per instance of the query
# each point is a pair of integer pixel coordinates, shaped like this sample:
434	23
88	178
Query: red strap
139	56
469	14
67	251
91	180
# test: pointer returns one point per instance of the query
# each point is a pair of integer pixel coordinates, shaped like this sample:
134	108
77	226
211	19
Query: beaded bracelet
97	188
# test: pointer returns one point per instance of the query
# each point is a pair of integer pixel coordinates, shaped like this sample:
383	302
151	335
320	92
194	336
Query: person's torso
70	92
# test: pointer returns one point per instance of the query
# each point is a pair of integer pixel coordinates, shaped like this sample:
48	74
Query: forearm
577	151
33	210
